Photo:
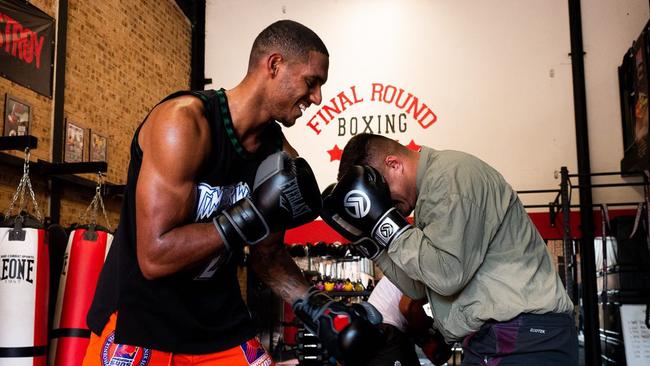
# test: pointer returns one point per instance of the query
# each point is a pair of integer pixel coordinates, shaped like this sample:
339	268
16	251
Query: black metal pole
567	240
198	46
194	10
59	102
59	86
607	185
630	174
527	191
588	265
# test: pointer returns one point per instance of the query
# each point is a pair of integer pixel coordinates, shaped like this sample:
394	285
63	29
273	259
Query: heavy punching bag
84	257
83	260
24	292
24	283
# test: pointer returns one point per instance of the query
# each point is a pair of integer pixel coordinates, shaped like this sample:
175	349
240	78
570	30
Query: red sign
405	102
408	106
26	45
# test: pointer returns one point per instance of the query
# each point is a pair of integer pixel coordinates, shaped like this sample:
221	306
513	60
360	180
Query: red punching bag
83	259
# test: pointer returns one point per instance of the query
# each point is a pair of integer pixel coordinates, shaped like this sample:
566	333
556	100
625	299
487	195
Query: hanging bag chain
95	204
24	184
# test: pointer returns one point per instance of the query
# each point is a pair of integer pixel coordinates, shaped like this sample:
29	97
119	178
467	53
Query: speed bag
24	292
82	262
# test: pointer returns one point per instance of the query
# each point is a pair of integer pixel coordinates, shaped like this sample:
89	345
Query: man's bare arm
273	265
175	141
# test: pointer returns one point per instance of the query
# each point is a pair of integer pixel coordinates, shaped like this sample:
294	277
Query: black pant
528	339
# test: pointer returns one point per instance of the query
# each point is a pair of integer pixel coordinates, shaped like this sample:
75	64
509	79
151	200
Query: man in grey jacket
472	249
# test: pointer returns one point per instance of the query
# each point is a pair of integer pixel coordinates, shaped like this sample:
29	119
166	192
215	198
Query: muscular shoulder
176	121
187	109
177	130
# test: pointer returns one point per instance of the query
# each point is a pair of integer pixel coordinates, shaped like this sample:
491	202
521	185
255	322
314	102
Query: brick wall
123	56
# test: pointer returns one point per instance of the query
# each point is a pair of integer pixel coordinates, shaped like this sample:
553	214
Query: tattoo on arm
273	265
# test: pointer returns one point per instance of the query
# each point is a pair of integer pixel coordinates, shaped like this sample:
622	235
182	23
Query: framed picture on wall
17	117
97	147
74	143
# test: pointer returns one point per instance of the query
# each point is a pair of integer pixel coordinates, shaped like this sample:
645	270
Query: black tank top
196	311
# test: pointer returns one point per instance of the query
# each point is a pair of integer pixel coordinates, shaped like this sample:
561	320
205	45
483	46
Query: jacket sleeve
409	287
449	247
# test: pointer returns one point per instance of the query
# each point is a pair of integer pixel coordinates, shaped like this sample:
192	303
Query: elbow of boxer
150	263
449	284
150	269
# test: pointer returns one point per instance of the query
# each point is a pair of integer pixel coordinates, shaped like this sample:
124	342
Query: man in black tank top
207	177
168	288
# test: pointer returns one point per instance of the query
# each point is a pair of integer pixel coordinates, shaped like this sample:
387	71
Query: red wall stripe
318	230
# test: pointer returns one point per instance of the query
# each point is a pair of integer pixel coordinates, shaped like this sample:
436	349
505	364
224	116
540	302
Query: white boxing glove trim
384	223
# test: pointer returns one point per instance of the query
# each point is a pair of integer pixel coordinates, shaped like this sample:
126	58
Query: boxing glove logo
292	200
356	203
386	230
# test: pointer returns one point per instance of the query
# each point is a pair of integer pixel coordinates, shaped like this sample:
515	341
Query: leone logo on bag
16	268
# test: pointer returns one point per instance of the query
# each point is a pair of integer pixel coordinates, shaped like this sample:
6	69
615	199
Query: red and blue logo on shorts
256	354
122	354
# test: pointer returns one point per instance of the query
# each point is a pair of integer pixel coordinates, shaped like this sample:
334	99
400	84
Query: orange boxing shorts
103	351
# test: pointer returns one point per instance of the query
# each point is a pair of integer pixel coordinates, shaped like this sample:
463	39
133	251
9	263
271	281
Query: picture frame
17	117
97	147
75	139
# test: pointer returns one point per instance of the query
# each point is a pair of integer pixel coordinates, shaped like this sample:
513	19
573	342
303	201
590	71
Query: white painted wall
497	74
609	28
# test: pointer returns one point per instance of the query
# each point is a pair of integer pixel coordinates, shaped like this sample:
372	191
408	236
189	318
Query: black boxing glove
359	243
360	208
348	332
285	195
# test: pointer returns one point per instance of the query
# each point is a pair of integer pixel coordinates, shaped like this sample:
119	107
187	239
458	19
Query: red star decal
413	146
335	153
